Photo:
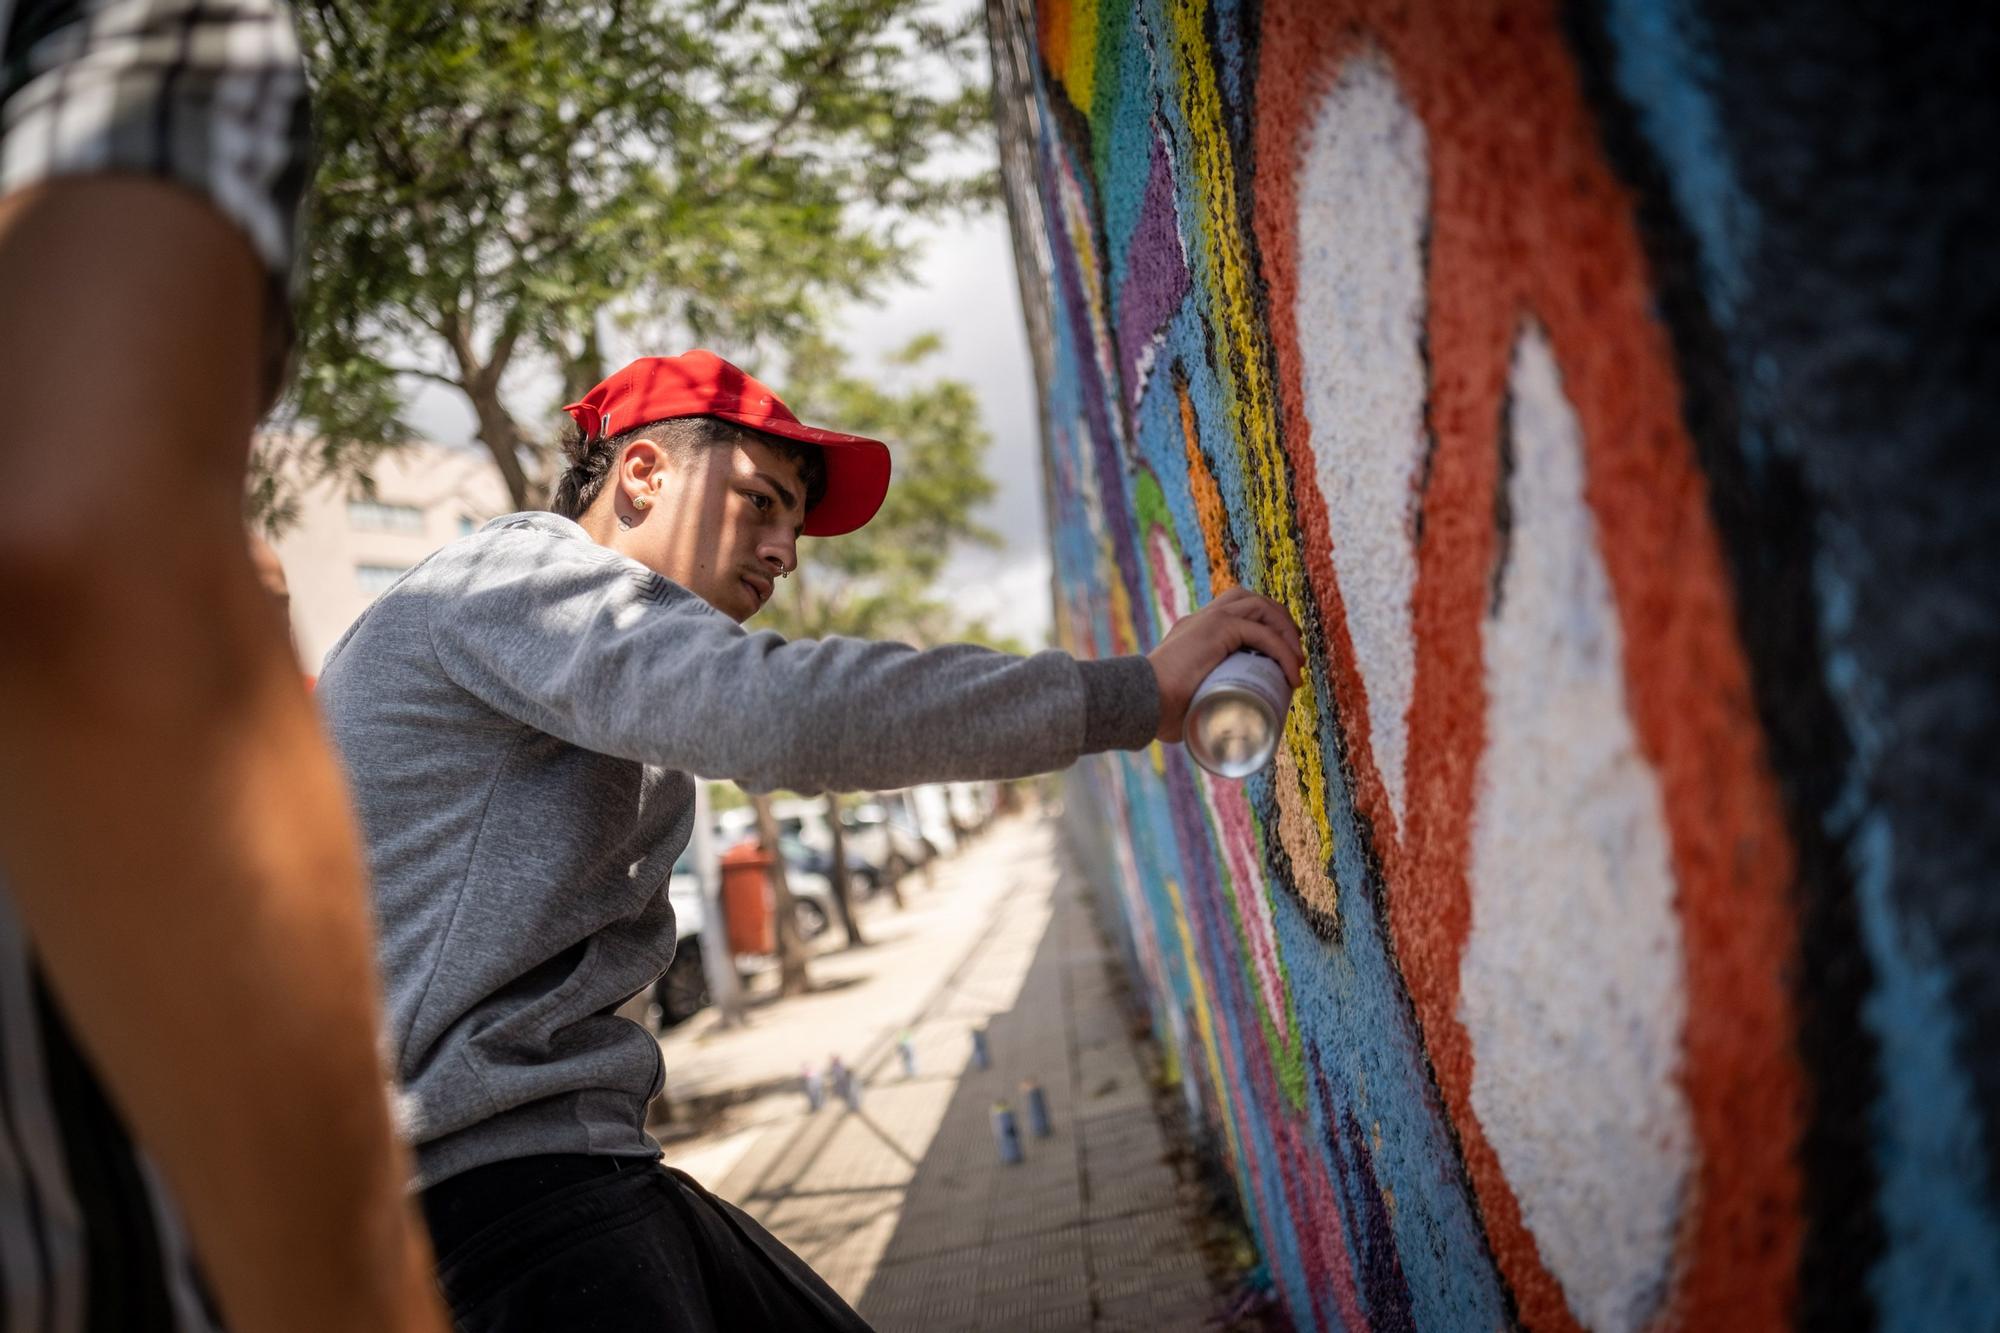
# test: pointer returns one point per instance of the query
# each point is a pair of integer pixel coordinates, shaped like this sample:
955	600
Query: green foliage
880	582
502	182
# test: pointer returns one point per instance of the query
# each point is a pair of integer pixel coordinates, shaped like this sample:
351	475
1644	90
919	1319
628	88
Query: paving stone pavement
903	1204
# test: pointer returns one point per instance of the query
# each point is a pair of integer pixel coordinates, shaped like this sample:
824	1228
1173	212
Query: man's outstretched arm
172	827
587	646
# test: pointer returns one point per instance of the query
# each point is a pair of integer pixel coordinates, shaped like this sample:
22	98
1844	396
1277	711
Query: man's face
723	522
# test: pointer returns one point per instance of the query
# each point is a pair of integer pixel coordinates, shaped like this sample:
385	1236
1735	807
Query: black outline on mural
1770	564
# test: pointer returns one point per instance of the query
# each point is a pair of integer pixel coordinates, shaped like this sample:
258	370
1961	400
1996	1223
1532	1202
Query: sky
963	288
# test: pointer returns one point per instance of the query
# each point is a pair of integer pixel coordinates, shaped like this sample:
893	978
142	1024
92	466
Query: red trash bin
746	899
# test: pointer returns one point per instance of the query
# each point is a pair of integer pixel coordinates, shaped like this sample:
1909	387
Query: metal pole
720	965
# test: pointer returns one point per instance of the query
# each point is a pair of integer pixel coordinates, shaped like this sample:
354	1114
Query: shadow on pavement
1085	1232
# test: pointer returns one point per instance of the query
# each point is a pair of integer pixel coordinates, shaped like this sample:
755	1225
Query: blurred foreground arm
172	827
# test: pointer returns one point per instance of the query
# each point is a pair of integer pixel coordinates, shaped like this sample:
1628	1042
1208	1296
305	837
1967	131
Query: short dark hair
590	461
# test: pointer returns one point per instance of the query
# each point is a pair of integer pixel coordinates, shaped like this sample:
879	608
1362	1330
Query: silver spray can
1238	714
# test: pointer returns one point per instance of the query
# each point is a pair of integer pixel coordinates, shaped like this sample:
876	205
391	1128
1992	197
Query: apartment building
347	547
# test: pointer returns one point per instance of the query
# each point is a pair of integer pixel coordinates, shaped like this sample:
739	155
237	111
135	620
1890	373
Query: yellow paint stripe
1241	365
1081	74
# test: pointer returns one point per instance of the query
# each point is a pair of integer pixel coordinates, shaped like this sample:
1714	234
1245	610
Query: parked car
682	990
863	878
875	850
883	842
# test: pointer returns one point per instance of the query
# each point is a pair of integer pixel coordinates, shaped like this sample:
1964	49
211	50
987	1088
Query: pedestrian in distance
523	716
185	956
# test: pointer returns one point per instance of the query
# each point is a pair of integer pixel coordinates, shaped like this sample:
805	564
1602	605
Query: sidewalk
903	1205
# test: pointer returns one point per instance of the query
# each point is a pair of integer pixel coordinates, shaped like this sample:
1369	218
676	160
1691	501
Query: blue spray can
981	1057
815	1088
1038	1109
908	1051
1006	1134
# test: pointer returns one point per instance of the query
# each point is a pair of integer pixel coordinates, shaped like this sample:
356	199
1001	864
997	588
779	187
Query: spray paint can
982	1058
836	1077
907	1051
850	1090
1006	1134
1238	714
1037	1103
815	1088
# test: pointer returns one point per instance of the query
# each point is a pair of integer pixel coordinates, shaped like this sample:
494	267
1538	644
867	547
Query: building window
374	516
374	580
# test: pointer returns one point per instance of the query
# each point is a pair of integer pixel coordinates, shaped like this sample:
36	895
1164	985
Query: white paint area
1571	983
1364	192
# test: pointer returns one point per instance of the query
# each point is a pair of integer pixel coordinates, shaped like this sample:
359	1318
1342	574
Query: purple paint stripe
1156	274
1383	1284
1104	450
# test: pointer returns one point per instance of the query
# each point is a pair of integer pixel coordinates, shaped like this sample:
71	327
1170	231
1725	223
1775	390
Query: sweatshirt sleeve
591	647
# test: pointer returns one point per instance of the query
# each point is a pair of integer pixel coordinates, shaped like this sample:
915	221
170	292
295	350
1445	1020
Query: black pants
579	1244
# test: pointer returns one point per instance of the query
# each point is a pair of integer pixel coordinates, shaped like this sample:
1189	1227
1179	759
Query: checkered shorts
209	94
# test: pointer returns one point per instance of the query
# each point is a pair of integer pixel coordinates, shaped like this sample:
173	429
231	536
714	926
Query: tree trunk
792	979
895	881
584	367
480	379
502	438
718	961
842	892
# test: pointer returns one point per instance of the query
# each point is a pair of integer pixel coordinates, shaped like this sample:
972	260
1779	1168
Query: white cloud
1007	590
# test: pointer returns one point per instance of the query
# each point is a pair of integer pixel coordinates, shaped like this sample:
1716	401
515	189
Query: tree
792	979
504	183
881	582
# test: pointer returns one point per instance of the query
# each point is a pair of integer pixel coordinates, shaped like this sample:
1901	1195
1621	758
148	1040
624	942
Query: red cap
702	384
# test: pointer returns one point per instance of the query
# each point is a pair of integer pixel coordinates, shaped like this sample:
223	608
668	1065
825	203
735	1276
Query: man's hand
1197	645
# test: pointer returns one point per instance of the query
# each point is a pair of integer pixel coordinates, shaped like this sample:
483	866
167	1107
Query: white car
682	990
881	841
874	836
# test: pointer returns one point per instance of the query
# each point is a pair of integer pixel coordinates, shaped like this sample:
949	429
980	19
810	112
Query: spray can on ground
907	1051
815	1088
1006	1134
1037	1103
1238	714
982	1058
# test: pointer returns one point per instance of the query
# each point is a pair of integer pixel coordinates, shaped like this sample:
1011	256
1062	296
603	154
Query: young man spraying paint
521	716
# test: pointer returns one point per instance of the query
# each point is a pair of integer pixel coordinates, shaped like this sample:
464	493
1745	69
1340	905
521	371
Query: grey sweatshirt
519	716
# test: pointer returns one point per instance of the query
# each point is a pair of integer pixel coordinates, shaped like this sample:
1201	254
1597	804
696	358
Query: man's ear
639	466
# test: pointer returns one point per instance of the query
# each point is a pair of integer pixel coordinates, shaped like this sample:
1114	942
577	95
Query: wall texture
1609	390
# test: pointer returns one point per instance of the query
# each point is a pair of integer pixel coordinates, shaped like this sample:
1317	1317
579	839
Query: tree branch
431	375
503	347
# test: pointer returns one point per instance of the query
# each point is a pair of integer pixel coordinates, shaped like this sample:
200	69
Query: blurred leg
173	829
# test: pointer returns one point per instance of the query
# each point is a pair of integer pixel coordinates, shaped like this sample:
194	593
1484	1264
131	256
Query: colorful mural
1615	943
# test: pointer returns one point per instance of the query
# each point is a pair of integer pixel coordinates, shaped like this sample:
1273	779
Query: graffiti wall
1609	392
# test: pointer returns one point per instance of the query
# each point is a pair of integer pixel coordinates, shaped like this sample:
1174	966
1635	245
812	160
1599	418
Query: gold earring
640	502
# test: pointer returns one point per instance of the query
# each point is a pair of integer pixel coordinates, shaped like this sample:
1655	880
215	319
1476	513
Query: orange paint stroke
1528	221
1208	508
